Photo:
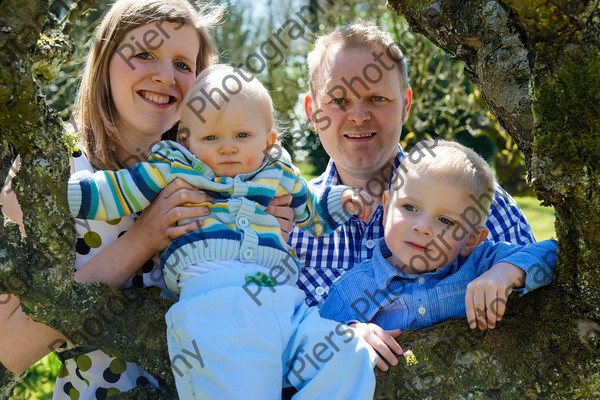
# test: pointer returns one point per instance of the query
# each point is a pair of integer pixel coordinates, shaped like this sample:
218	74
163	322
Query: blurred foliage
271	39
39	382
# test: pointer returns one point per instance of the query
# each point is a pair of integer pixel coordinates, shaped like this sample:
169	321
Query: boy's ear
385	201
475	240
308	108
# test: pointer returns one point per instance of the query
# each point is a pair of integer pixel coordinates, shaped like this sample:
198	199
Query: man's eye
378	99
446	221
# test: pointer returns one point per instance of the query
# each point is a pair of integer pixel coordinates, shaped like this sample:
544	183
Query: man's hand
361	206
382	341
487	295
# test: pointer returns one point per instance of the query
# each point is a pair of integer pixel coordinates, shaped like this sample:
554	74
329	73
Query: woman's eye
409	207
243	135
183	66
338	101
446	221
143	55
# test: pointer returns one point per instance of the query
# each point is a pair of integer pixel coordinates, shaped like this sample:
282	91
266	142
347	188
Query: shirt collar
330	176
384	272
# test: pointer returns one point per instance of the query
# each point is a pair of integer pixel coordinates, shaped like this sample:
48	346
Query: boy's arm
381	340
527	267
107	195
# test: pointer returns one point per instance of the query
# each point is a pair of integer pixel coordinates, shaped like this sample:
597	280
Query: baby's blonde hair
217	85
451	162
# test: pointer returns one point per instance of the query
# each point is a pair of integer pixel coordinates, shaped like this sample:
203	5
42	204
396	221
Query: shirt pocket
451	300
395	315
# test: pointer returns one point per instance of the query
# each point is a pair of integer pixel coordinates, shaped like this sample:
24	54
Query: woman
143	60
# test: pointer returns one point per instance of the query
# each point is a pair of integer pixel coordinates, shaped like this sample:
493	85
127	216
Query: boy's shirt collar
385	272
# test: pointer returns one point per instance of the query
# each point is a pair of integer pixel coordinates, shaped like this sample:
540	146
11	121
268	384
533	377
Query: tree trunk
538	65
39	268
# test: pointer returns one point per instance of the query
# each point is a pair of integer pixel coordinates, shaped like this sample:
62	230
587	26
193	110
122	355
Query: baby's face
231	141
426	223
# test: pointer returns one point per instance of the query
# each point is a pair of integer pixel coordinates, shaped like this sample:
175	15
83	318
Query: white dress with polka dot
94	374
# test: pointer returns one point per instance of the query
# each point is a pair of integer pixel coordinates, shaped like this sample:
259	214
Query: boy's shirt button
422	310
370	243
421	280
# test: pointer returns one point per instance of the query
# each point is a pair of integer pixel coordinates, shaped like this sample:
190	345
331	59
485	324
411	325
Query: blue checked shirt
326	258
374	291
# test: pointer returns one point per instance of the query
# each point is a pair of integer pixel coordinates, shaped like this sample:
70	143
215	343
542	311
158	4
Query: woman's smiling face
150	72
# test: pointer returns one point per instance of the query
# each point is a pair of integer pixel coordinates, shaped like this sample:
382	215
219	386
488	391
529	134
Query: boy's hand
361	205
382	341
487	295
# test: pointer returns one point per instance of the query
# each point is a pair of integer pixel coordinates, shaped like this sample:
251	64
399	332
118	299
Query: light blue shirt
326	258
374	291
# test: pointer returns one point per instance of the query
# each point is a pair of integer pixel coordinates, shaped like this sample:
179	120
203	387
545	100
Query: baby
433	263
239	312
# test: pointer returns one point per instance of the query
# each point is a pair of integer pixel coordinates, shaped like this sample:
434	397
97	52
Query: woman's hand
157	226
280	209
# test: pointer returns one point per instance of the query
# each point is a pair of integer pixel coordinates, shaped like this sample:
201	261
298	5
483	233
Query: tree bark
538	65
38	268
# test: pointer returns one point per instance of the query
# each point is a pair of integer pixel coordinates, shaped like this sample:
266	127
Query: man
359	99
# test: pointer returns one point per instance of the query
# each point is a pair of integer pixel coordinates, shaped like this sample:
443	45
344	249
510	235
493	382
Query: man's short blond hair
358	35
453	163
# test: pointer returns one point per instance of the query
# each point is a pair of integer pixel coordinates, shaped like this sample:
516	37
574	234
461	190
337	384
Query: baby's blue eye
446	221
210	137
242	135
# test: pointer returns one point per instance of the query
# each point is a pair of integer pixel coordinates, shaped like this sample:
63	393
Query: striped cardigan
236	228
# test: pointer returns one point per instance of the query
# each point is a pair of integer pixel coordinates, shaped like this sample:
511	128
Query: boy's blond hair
455	163
358	35
217	85
94	111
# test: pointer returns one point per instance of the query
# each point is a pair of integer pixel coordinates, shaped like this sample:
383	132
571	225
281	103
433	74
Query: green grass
540	218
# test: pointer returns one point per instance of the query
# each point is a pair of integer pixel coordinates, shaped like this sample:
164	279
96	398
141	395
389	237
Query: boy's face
232	140
424	223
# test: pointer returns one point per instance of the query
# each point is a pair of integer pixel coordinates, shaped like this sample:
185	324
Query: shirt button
421	281
370	243
248	253
243	222
320	291
422	310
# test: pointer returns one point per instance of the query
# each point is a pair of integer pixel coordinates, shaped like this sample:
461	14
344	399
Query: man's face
358	111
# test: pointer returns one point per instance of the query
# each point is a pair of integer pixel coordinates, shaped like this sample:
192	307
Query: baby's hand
487	295
361	205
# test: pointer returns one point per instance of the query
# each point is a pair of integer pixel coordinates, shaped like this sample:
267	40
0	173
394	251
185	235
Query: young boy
426	268
240	329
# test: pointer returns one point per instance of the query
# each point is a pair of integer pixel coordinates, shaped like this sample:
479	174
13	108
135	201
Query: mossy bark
38	268
538	64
